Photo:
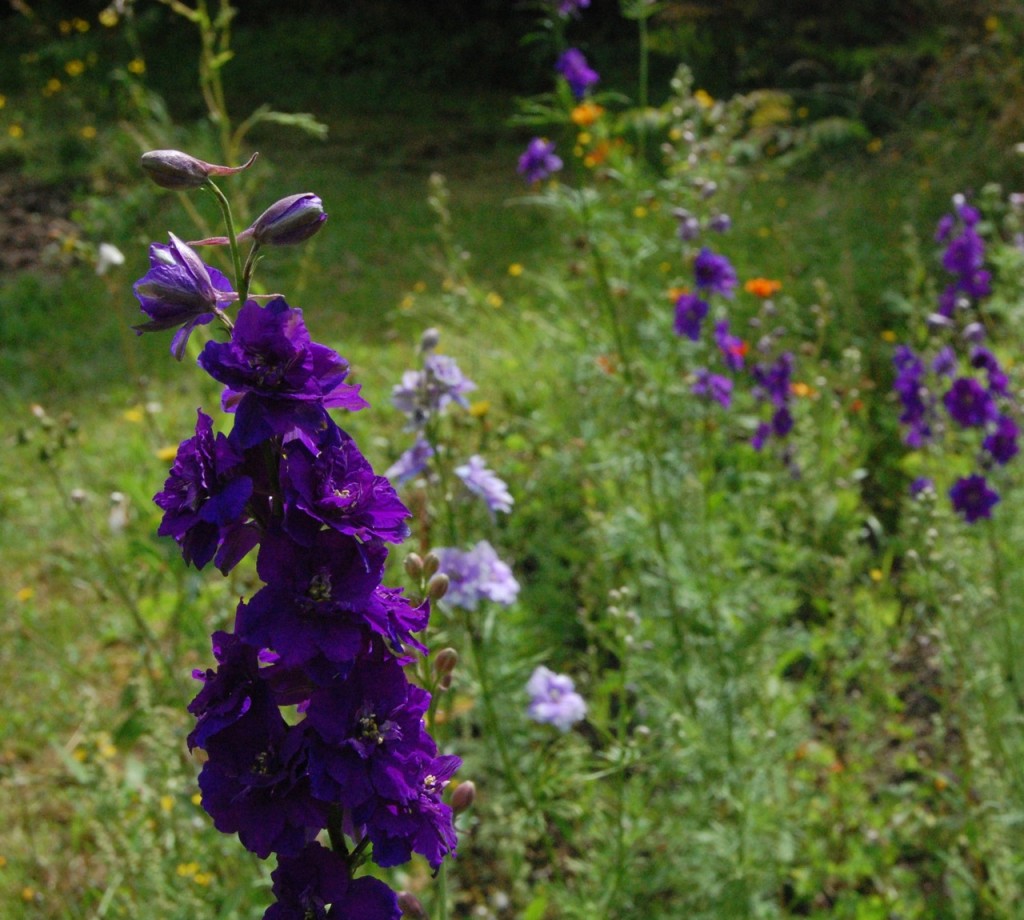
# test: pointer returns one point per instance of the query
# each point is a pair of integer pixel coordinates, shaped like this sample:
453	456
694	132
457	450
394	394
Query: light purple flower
483	482
554	700
413	462
476	575
713	386
422	394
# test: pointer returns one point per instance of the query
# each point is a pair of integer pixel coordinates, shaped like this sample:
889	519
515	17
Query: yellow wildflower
167	453
16	131
134	414
81	25
74	68
704	99
28	893
874	145
108	17
87	132
53	85
203	878
480	408
166	803
494	299
419	287
515	269
888	336
586	113
137	66
876	575
25	594
640	211
64	27
197	798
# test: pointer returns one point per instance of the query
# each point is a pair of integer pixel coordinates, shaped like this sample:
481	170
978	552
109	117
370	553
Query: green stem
241	282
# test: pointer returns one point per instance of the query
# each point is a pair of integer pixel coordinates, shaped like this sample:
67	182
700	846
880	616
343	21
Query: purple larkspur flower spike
577	72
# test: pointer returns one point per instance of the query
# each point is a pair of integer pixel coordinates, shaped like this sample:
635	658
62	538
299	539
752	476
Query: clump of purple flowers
962	376
573	66
769	376
307	718
539	161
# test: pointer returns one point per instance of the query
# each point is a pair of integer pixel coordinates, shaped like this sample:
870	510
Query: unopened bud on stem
463	797
445	661
437	587
414	566
181	171
290	220
431	564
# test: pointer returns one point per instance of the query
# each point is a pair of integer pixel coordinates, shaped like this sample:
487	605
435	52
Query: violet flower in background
554	700
484	482
476	575
973	498
714	273
578	74
713	386
690	313
411	463
539	160
425	393
567	8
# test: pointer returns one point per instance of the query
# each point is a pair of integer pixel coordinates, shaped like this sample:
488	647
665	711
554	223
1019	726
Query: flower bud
445	683
445	661
437	587
431	564
429	340
290	220
414	566
180	171
463	797
411	906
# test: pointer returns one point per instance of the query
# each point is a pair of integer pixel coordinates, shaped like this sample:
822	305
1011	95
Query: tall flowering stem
310	725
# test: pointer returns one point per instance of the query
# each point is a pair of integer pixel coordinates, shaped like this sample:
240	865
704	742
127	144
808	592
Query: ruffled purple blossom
180	290
972	497
690	314
714	273
484	482
554	700
713	387
476	575
577	72
539	161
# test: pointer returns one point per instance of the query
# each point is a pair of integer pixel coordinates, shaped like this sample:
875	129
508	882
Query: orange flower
762	287
607	363
586	113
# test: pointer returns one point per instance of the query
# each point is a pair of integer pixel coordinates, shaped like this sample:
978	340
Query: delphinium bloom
180	290
964	376
476	575
423	394
577	72
554	700
690	313
714	273
485	483
323	638
713	386
539	160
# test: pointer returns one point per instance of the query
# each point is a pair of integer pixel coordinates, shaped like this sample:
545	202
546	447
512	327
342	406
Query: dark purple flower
484	482
325	600
714	273
370	740
964	255
732	348
761	435
573	66
305	884
782	422
423	825
290	220
914	396
337	488
229	692
204	500
539	161
972	497
1001	443
944	228
998	382
969	403
713	386
278	381
690	313
180	290
773	380
257	786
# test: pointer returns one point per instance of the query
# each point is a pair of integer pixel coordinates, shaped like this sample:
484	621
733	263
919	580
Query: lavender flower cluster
477	574
957	372
308	720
